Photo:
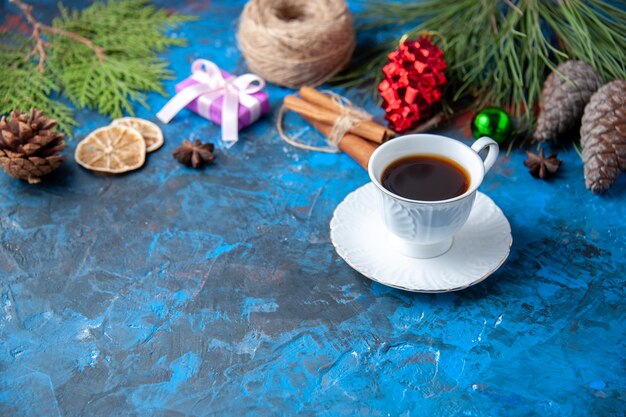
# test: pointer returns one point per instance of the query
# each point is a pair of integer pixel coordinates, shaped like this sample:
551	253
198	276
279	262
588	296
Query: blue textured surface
172	292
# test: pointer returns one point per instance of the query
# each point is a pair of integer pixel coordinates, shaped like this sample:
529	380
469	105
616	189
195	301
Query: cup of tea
427	186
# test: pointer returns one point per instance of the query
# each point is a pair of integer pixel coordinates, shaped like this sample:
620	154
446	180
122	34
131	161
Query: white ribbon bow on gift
211	86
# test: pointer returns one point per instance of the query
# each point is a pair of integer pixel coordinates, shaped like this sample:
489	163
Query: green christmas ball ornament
493	122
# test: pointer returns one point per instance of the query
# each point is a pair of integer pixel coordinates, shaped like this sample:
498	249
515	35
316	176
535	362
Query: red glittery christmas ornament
413	82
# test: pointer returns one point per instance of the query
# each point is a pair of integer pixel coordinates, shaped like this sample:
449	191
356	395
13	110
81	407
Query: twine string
348	117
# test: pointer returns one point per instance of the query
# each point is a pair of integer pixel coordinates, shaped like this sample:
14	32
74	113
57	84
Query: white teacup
425	229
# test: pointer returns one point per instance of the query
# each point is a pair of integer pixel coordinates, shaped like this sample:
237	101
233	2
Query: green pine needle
131	32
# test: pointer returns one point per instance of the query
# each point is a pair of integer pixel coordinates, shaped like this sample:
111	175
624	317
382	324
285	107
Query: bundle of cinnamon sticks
322	111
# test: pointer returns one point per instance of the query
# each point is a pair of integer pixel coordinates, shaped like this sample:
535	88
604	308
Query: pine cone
29	145
563	99
603	136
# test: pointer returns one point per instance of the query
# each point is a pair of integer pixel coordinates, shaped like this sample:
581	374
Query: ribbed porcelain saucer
479	249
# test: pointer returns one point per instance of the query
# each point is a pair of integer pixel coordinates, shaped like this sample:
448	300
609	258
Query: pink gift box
215	109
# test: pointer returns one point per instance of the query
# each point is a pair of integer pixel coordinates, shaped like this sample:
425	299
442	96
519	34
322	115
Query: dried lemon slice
151	133
112	149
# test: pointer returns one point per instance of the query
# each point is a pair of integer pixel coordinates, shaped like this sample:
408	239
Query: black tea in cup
426	178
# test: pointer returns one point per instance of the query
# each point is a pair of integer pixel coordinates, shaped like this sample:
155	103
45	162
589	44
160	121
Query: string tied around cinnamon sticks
332	110
347	128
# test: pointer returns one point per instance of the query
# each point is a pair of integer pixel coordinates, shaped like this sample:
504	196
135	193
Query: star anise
194	154
540	166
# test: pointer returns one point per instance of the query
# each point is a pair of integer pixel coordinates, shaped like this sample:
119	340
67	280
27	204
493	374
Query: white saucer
479	249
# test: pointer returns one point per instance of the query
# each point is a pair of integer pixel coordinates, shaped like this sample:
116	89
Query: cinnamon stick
356	147
314	96
368	130
311	95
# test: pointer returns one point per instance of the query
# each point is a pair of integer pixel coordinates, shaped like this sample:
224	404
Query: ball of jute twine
296	42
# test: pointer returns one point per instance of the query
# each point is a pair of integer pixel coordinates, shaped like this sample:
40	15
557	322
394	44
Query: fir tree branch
40	44
22	86
499	51
131	68
132	32
57	31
